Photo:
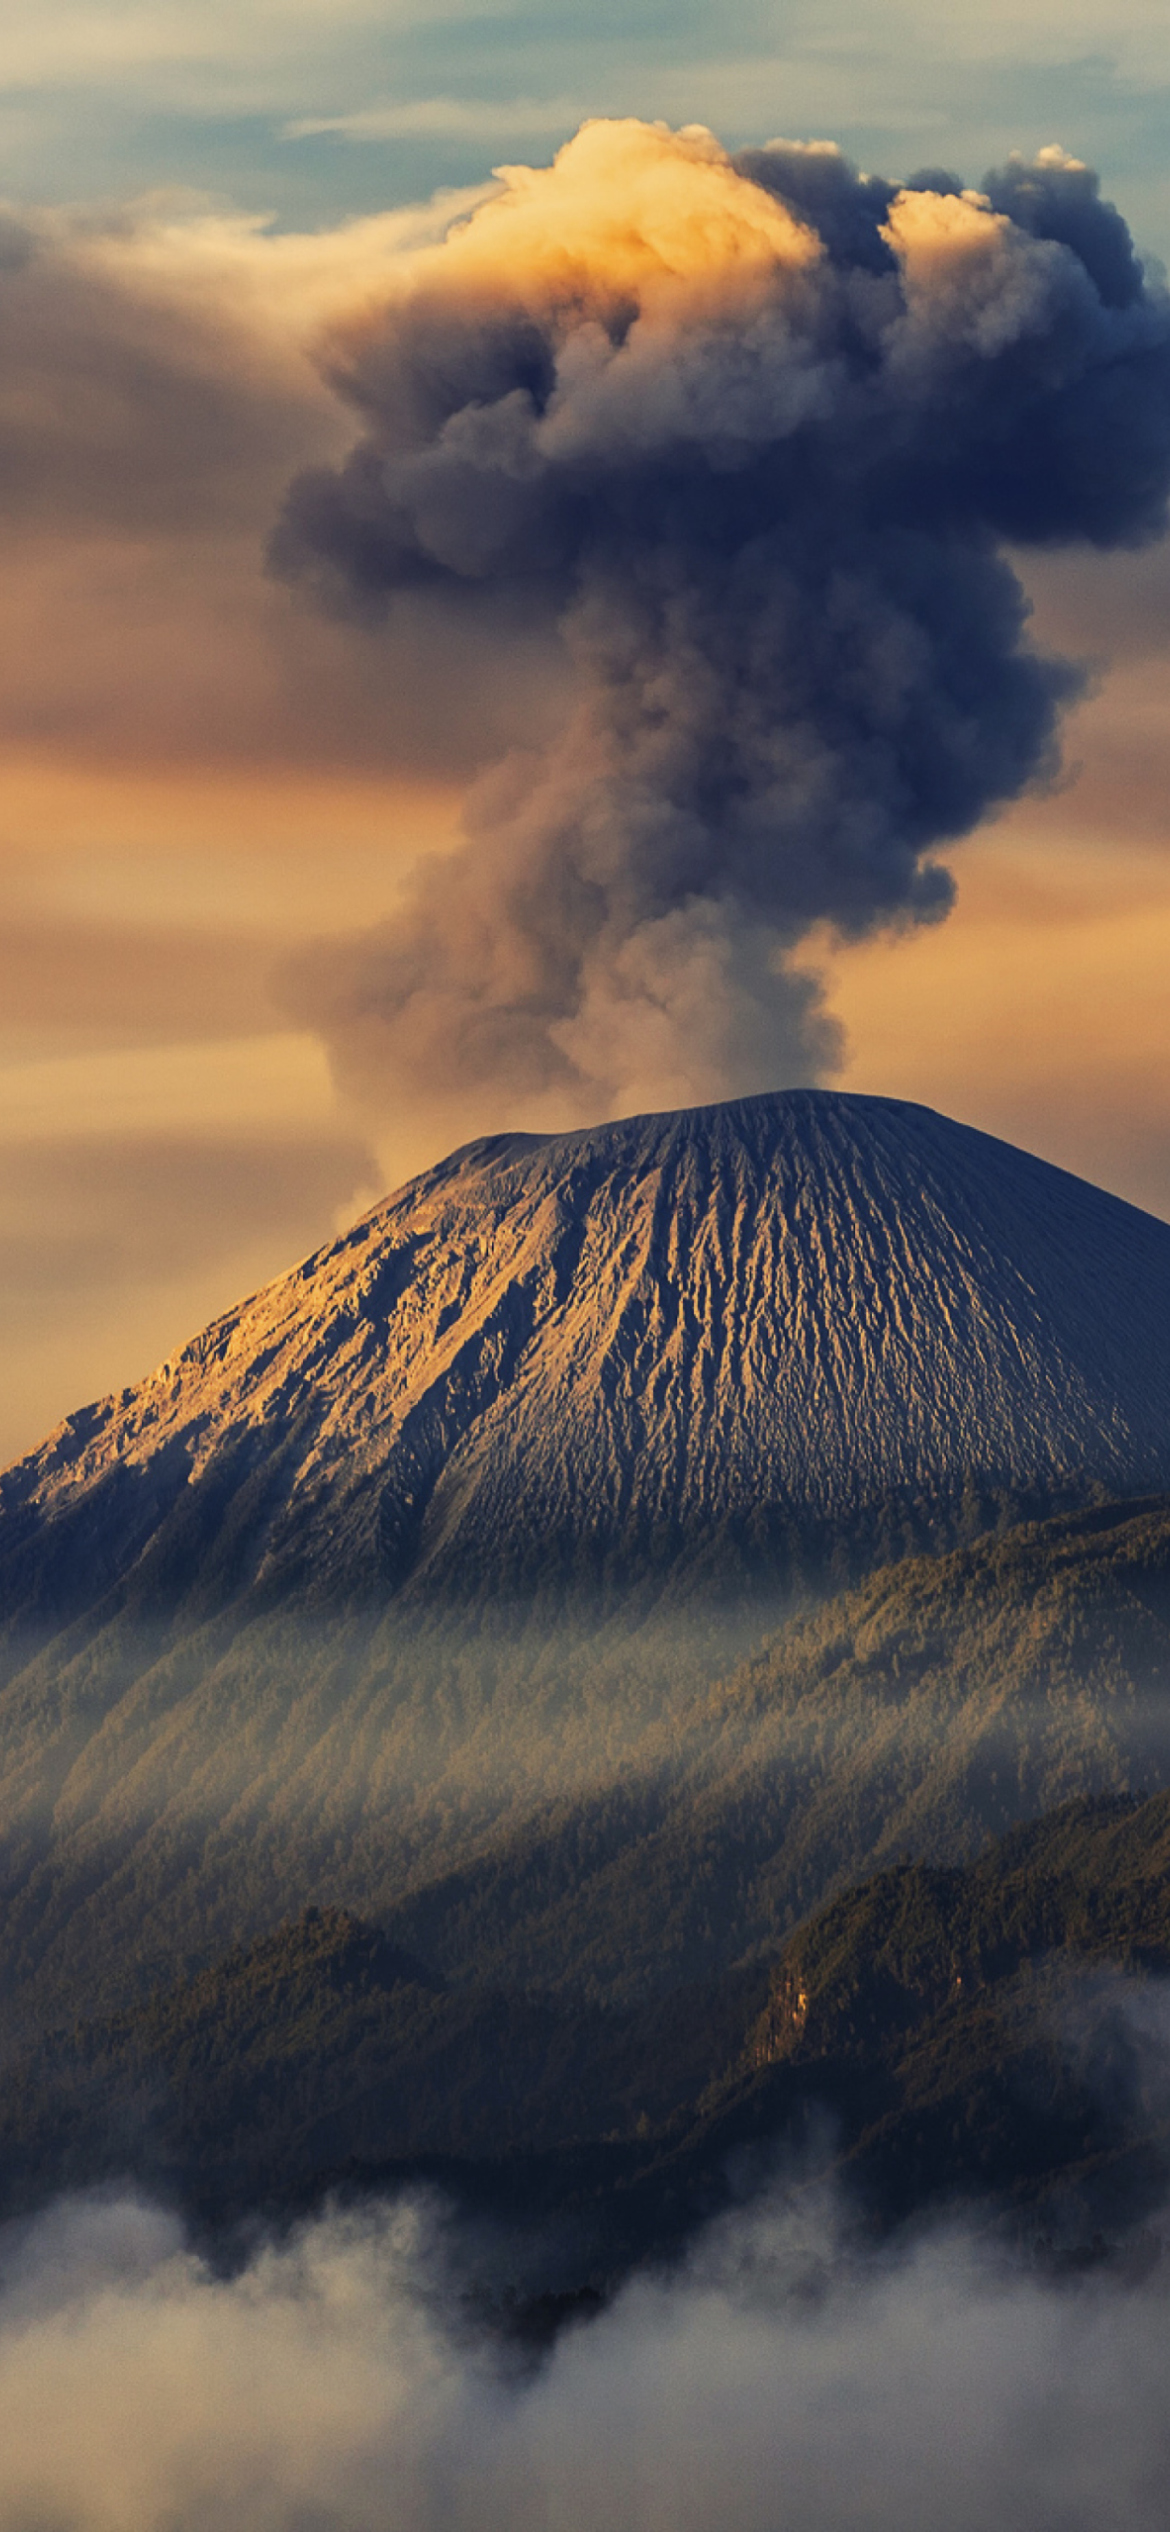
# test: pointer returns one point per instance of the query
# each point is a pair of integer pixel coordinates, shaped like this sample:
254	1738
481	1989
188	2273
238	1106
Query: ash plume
747	437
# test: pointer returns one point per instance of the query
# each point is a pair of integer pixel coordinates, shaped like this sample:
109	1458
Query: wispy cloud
124	95
67	40
465	118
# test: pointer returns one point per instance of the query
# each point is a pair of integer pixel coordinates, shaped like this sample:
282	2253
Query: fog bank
785	2378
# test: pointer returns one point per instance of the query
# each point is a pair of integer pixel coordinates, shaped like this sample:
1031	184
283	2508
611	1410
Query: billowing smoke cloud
748	436
781	2381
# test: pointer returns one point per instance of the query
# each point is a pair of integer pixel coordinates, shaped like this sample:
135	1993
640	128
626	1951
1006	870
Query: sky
234	799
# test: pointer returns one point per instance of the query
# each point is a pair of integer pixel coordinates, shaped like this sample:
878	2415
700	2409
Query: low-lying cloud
750	435
784	2378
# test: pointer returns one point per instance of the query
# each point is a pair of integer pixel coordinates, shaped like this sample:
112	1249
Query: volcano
565	1355
409	1586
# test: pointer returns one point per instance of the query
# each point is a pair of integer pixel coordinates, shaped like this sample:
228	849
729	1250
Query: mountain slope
940	1700
582	1355
293	1621
988	2030
587	1814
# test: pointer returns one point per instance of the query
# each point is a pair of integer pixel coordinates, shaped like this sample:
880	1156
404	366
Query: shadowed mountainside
998	2031
588	1815
929	1708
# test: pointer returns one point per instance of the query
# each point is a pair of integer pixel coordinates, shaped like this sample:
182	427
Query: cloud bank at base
780	2381
750	436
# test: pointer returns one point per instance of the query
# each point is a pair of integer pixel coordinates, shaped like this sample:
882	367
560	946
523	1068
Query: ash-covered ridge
601	1346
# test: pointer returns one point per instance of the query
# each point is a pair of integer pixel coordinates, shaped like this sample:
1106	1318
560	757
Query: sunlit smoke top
747	437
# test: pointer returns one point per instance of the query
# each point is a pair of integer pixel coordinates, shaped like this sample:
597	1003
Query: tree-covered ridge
987	2028
1091	1881
585	1808
935	2031
913	1716
324	2045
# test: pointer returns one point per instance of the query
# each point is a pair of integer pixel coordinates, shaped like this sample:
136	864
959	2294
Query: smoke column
747	437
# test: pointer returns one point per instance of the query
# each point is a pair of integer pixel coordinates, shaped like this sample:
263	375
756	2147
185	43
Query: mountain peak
581	1352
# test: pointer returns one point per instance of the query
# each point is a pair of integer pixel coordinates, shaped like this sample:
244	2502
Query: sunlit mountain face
553	1360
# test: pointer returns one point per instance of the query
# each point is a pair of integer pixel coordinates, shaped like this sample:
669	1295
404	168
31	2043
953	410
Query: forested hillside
594	1810
997	2031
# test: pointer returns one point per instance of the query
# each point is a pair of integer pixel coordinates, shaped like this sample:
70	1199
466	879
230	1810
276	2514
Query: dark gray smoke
749	436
